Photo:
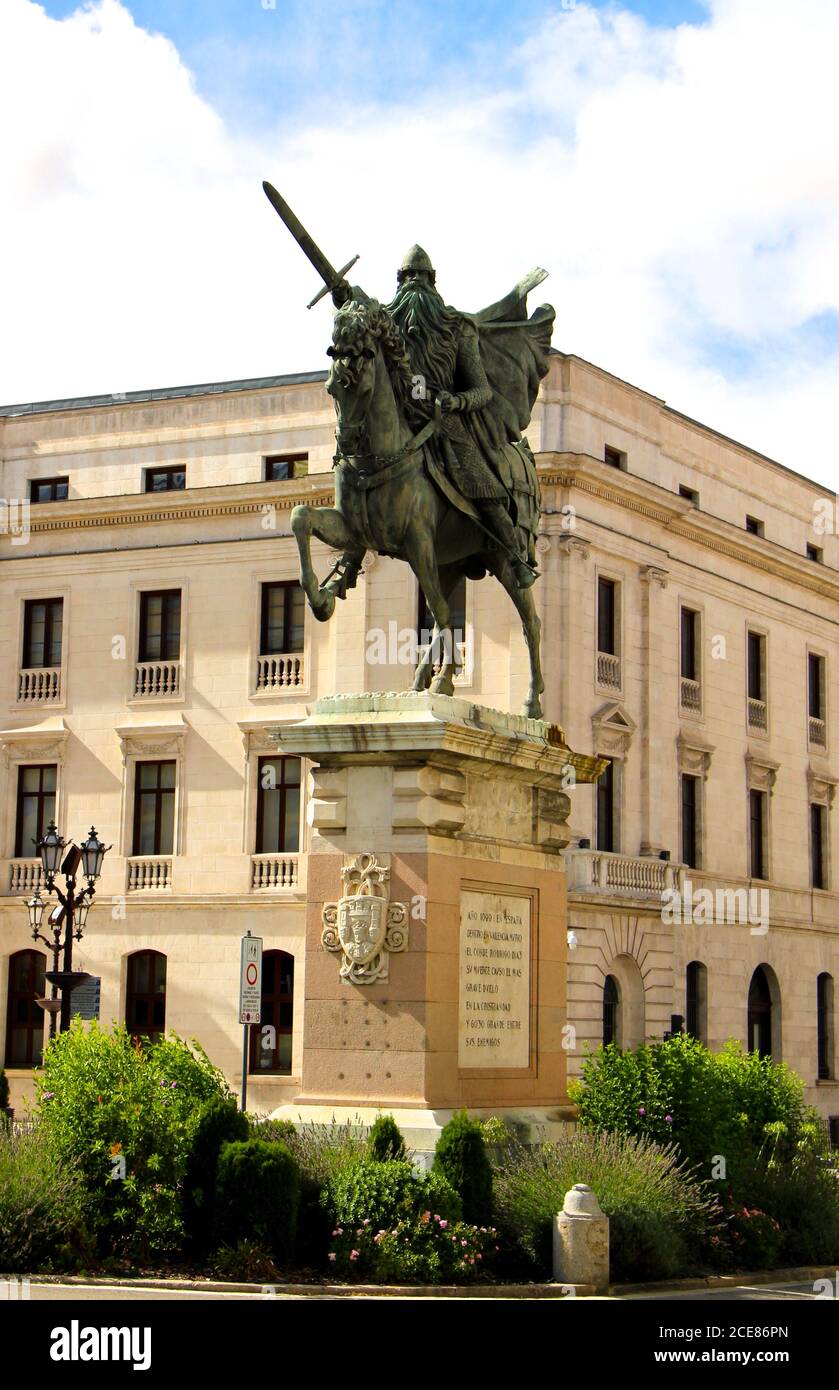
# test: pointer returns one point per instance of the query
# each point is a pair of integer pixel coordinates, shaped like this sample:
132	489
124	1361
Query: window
154	808
815	685
606	810
815	553
49	489
759	1023
818	846
696	1000
824	1026
757	834
756	654
753	526
690	821
160	625
611	1008
614	457
145	996
35	806
165	479
607	616
457	613
690	644
271	1051
690	494
283	618
42	624
278	806
24	1017
280	467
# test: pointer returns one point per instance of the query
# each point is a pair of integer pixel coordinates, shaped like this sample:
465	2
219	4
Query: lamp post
68	917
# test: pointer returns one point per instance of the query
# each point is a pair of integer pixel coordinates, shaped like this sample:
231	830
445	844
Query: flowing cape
514	350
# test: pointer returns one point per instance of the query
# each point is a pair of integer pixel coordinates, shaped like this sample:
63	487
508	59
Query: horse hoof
443	685
532	709
324	605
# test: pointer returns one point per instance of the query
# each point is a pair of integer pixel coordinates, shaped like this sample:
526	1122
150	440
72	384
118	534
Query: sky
672	164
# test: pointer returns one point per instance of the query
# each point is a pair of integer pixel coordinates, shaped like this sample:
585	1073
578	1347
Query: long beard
430	332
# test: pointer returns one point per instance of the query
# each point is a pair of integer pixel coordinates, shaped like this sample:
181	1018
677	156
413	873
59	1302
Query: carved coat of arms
364	925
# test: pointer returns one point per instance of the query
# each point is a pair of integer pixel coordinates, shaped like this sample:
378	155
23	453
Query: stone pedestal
436	911
581	1240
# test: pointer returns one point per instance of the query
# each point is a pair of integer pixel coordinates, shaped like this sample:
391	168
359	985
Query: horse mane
358	330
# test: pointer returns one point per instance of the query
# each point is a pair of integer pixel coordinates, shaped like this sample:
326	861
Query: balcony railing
156	679
609	670
149	872
278	673
817	729
624	875
39	685
25	876
274	871
691	695
757	714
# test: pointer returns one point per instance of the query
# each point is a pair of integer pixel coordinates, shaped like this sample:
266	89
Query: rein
383	465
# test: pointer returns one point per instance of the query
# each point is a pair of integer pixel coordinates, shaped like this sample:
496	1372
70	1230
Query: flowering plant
422	1248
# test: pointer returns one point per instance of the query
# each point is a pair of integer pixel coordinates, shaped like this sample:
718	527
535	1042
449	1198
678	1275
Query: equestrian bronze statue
431	463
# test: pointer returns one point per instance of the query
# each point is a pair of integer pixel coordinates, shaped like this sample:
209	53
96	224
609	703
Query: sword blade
307	244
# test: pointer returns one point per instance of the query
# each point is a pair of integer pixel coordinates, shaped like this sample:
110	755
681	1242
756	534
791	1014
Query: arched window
824	1024
25	1018
145	996
271	1041
611	1008
760	1014
696	1001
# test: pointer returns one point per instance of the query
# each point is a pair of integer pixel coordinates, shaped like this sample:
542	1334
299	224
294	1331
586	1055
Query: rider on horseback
444	352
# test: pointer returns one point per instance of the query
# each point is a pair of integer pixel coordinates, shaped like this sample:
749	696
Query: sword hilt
327	289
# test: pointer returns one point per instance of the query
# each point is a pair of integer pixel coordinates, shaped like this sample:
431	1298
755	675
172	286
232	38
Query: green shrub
42	1207
263	1127
421	1248
385	1142
125	1115
707	1103
246	1260
321	1152
802	1195
461	1157
220	1121
380	1195
4	1090
657	1209
257	1195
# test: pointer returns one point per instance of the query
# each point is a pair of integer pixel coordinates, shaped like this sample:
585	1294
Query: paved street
739	1293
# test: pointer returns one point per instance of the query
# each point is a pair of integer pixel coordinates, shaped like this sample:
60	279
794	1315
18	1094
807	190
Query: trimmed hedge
257	1196
461	1158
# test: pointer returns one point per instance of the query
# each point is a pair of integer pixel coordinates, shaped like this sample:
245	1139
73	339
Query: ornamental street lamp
68	917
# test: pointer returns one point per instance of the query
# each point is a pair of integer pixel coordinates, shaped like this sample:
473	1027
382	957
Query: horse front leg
422	560
327	525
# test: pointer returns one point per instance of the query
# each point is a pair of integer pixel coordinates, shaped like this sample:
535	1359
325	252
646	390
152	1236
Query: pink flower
331	1256
668	1119
354	1254
443	1224
641	1110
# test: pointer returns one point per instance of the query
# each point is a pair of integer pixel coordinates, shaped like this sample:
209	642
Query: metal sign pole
246	1029
250	999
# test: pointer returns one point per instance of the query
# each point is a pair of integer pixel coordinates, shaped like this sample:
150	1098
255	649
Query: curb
510	1291
800	1275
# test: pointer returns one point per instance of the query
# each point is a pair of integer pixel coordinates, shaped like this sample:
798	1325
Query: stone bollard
581	1240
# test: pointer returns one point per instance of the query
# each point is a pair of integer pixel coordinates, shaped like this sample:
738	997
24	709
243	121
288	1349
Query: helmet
416	259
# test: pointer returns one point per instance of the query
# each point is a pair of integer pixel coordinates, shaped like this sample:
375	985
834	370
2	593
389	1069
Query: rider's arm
470	372
344	292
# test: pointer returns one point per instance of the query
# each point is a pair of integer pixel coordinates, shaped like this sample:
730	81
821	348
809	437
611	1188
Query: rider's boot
498	521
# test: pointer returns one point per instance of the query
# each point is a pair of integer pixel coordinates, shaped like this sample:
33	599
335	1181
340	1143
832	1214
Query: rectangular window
818	858
815	553
756	660
757	834
690	821
815	685
824	1025
690	494
614	457
606	616
154	808
754	526
280	467
165	479
282	624
35	807
42	625
606	810
278	806
160	625
689	644
49	489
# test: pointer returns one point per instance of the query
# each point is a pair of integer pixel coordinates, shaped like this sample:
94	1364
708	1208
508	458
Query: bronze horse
387	500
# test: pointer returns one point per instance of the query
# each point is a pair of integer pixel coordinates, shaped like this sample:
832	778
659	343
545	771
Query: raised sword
329	275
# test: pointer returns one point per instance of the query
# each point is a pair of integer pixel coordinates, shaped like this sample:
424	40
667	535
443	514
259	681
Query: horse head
369	373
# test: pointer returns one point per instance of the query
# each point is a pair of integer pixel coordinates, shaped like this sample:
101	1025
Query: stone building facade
151	634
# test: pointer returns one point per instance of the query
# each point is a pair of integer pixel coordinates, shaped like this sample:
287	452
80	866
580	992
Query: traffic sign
250	980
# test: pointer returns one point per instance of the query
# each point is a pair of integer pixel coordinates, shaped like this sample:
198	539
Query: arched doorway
145	995
611	1011
623	1003
759	1035
24	1017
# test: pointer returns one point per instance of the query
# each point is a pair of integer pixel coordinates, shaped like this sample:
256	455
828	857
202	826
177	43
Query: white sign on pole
250	980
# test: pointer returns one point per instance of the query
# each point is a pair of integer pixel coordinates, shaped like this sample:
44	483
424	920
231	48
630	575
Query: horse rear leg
327	525
420	556
532	627
449	575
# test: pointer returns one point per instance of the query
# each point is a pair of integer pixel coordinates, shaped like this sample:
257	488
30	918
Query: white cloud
681	185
